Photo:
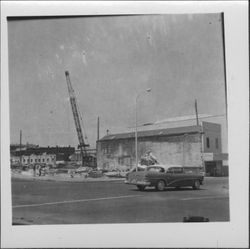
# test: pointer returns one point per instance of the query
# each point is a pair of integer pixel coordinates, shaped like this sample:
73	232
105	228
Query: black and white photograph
119	119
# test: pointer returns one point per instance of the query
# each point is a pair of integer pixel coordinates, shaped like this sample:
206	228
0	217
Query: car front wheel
196	184
160	185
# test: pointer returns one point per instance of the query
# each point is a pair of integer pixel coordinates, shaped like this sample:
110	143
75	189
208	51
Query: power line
175	120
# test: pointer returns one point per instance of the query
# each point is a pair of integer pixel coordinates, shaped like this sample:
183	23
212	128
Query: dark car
160	176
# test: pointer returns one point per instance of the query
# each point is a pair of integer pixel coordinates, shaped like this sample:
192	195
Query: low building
212	150
62	153
48	159
196	145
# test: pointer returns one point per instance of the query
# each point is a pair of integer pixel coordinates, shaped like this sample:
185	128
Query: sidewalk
65	178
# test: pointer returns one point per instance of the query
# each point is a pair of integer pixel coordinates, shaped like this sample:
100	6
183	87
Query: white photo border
219	234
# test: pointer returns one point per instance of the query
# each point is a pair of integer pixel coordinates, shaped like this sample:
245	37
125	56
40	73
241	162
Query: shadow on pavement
168	190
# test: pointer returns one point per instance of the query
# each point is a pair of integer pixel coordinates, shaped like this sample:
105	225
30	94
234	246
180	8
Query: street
52	202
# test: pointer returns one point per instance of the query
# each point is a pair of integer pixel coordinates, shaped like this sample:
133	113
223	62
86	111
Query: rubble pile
65	171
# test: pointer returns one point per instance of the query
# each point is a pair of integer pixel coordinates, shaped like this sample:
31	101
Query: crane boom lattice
76	115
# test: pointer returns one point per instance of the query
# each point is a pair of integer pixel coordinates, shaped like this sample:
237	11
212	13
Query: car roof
166	166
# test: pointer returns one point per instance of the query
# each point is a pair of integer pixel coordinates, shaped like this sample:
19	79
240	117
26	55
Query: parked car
161	176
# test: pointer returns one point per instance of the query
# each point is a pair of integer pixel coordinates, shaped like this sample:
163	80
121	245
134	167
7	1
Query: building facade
48	159
212	150
190	146
62	153
169	146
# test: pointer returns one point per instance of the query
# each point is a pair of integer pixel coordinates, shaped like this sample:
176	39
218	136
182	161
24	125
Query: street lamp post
136	137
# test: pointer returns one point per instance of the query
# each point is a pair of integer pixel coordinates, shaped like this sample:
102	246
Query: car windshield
138	169
156	169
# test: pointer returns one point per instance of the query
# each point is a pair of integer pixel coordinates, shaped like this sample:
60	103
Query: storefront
214	164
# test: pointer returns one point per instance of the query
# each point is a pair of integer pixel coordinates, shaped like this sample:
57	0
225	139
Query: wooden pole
196	113
20	147
98	129
201	140
136	141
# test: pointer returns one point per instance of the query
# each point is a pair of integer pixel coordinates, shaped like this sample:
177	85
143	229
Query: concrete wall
183	149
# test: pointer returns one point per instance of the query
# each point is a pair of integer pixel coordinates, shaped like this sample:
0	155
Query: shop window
217	143
208	142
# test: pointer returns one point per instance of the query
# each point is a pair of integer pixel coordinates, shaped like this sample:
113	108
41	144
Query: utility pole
201	140
98	129
196	113
136	138
20	147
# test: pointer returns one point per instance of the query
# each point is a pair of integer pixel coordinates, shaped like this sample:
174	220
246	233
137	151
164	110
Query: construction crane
76	114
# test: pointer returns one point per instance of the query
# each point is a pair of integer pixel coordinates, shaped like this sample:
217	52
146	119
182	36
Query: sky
111	59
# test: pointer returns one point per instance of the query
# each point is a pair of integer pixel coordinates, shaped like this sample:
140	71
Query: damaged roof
153	133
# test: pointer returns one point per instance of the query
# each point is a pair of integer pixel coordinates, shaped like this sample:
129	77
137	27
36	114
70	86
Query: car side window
175	170
178	170
170	170
156	169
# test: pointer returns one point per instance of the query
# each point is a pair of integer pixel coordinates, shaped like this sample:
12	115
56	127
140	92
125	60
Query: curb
58	179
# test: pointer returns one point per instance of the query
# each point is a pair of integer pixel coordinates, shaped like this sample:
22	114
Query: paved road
49	202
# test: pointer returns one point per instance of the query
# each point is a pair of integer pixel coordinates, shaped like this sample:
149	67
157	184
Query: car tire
141	188
160	185
196	184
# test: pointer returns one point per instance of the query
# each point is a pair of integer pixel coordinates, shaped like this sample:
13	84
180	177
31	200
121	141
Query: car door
155	173
175	177
170	177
